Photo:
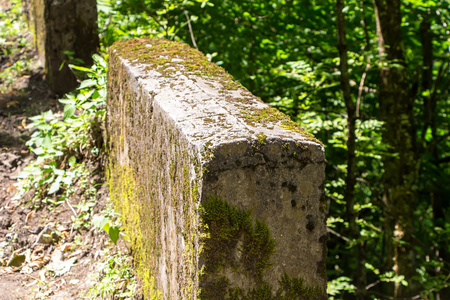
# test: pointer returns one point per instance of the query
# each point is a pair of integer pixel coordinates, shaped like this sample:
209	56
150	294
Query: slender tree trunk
400	169
437	195
350	180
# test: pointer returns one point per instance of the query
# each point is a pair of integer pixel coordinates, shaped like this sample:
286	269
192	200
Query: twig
37	279
338	235
73	210
40	235
190	29
372	284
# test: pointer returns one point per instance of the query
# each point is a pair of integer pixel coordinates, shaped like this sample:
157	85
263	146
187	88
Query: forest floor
43	255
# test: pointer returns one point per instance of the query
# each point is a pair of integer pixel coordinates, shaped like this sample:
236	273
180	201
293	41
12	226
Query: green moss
261	138
295	288
233	241
207	153
166	57
226	226
122	187
272	116
264	116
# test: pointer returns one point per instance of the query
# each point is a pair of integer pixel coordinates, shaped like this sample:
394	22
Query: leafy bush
61	140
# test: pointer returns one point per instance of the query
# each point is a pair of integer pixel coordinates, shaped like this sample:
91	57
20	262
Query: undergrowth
63	140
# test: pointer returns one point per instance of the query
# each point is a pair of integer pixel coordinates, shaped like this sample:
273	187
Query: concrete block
221	194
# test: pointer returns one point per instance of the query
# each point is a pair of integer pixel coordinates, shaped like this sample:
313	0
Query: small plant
83	218
116	280
107	223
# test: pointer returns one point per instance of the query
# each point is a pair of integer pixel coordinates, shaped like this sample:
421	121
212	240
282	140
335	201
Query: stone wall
221	195
59	26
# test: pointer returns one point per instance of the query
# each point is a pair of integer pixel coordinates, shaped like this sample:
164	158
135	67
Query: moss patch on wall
265	116
235	242
227	226
166	57
123	193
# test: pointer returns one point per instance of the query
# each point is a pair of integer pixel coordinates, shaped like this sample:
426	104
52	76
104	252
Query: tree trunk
60	27
400	169
350	180
437	194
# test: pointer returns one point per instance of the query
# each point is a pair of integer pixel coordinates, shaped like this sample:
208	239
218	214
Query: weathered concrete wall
63	25
221	195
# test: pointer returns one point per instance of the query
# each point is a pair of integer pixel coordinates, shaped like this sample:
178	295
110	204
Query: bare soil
25	228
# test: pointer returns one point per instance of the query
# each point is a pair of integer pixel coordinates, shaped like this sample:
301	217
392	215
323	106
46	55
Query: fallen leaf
60	268
42	274
65	247
6	270
39	263
75	253
11	103
10	188
29	216
16	260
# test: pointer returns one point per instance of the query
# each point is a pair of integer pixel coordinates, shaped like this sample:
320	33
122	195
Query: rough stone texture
63	25
182	133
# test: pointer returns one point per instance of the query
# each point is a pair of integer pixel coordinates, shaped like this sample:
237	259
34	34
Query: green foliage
83	218
109	223
13	29
116	280
61	140
336	286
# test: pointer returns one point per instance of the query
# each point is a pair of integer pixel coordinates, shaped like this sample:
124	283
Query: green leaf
79	68
38	151
87	83
69	110
72	160
114	234
67	180
54	187
47	142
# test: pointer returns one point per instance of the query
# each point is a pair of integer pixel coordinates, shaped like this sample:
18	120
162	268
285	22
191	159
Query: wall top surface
208	105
